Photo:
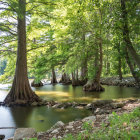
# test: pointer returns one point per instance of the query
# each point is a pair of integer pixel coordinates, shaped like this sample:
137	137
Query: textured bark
131	67
119	63
126	37
53	80
95	84
21	92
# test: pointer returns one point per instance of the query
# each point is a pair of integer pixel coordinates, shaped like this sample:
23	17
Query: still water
42	118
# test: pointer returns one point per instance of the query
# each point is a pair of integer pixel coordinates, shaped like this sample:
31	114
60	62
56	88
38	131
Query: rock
21	133
59	124
71	123
90	118
34	104
66	131
40	134
12	138
55	131
89	106
56	125
2	137
79	107
59	137
56	106
101	102
69	127
100	111
117	105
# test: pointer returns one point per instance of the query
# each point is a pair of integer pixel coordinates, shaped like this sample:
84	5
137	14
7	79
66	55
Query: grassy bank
123	127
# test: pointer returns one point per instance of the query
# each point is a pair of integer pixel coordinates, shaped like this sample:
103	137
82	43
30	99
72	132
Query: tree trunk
75	82
84	71
95	84
21	92
126	37
65	79
119	63
107	64
131	67
54	80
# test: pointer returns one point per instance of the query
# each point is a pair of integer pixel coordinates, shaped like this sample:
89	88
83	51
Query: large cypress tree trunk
53	80
21	92
95	84
126	37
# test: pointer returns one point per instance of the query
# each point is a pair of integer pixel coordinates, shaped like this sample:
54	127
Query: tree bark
21	92
84	71
119	63
131	67
95	84
54	80
126	37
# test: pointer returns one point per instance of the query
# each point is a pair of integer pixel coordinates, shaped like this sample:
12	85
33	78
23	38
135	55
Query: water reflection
40	118
69	93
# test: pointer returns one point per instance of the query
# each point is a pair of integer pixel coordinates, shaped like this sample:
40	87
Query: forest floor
125	82
101	113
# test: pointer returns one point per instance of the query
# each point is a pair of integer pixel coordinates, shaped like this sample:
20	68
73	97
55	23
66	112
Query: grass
123	127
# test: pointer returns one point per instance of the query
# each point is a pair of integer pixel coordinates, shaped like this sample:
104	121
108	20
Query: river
42	118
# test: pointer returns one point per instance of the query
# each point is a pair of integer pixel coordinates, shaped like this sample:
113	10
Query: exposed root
93	86
33	84
11	100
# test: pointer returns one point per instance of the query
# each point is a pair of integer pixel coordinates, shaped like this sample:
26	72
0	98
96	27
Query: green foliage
65	35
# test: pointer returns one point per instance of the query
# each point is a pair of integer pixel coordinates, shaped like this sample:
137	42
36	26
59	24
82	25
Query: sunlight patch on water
53	93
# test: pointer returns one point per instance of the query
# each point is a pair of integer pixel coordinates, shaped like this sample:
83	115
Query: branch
9	41
7	4
45	3
7	51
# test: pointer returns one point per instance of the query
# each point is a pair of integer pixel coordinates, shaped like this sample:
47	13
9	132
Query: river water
42	118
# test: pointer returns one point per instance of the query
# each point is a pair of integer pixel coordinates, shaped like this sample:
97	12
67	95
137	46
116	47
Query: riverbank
101	112
114	81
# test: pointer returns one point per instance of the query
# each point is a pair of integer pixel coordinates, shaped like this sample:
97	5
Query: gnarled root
93	86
